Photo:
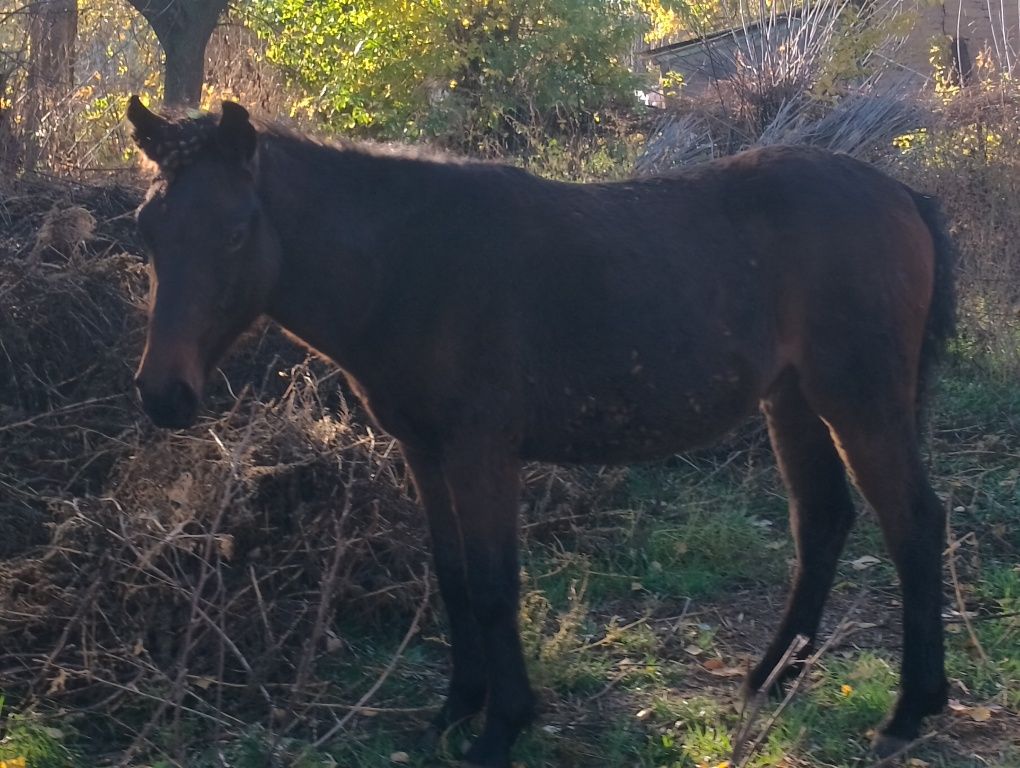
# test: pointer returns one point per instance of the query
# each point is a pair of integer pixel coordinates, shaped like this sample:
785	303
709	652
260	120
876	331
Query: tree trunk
185	68
52	28
183	28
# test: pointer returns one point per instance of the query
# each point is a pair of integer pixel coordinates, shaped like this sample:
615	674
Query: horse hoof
884	745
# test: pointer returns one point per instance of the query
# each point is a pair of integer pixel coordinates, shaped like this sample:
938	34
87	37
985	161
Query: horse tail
941	323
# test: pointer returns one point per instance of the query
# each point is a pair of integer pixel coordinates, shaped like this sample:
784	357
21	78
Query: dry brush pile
149	578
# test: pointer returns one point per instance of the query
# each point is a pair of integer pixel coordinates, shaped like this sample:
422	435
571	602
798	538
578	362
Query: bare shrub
796	72
970	159
862	125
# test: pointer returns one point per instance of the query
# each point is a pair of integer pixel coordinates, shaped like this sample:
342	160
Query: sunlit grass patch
571	652
689	731
611	740
826	725
555	644
708	746
706	551
30	743
846	699
705	745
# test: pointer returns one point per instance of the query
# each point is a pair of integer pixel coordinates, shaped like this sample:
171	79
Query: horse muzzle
171	404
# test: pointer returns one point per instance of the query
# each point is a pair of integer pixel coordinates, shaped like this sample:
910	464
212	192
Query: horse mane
184	139
388	149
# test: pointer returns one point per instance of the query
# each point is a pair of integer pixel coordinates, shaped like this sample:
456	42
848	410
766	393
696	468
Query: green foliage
683	18
470	72
858	33
603	157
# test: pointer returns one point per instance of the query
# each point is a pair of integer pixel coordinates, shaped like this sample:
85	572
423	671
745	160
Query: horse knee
494	604
493	591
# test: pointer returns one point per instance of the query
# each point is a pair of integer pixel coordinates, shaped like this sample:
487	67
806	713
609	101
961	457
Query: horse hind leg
879	444
821	515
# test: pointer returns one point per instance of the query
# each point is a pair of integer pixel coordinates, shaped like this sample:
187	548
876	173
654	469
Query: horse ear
236	134
148	127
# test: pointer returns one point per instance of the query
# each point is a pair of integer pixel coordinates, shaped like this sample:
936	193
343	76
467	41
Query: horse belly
611	427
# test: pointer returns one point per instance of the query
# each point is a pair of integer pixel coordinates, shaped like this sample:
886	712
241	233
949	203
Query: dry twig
961	604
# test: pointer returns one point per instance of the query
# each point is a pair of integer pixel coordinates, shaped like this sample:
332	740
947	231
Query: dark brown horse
487	317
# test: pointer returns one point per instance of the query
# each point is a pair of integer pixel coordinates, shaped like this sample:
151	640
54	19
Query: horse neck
332	269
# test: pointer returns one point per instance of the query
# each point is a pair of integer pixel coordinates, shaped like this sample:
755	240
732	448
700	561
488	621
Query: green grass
994	677
978	458
847	697
678	540
29	742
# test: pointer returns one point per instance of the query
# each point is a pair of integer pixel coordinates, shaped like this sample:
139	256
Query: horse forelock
177	143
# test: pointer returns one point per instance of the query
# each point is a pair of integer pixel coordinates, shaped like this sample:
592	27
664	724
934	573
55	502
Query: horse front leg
484	483
468	682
